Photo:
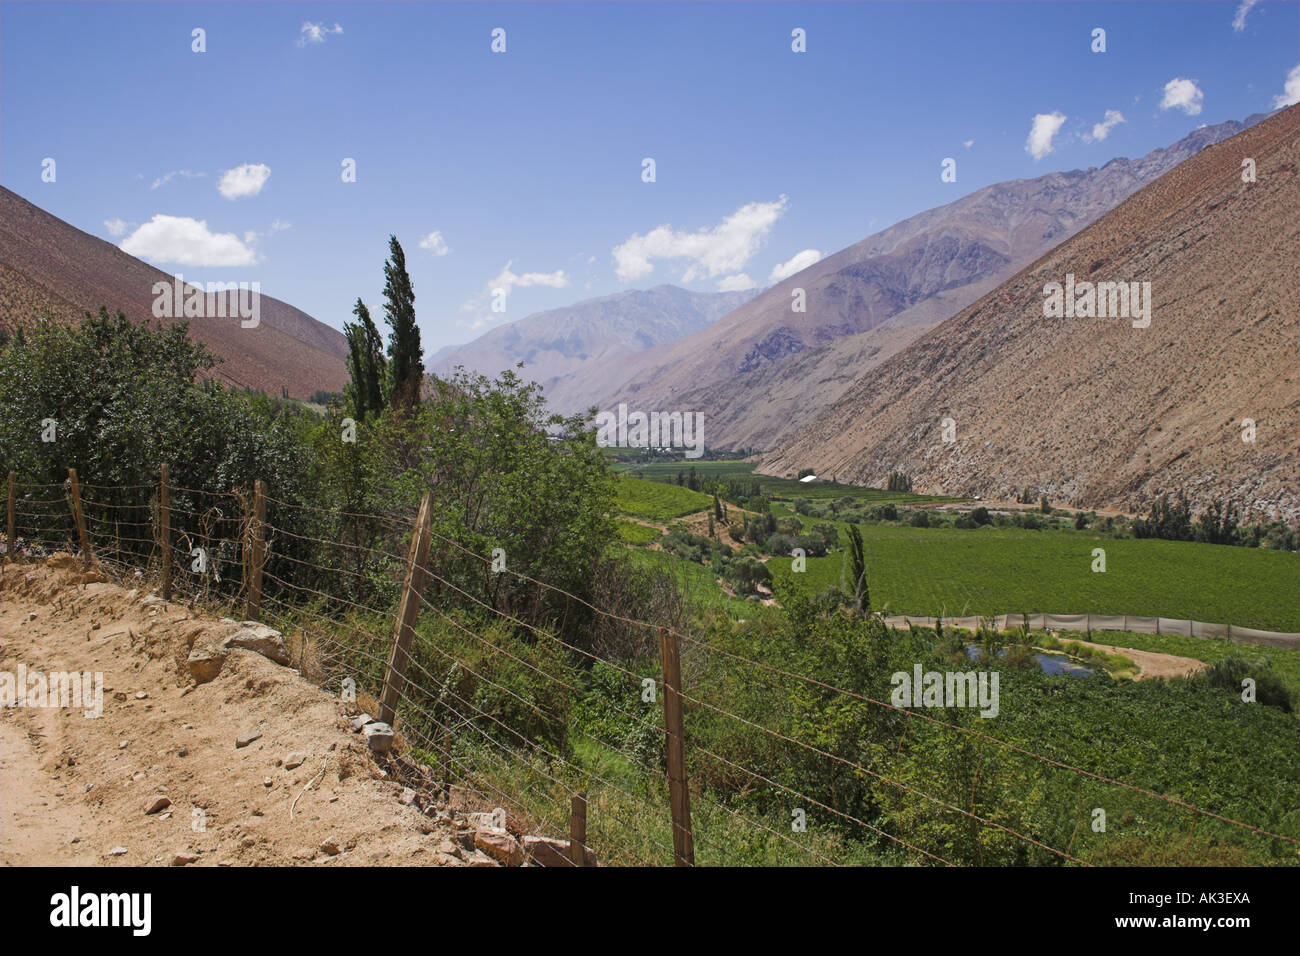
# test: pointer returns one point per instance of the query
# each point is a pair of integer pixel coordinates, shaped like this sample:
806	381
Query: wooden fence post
680	795
258	557
165	521
404	626
446	756
80	518
11	546
578	829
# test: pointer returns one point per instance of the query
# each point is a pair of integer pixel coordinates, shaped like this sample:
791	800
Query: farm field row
926	571
657	500
957	572
783	488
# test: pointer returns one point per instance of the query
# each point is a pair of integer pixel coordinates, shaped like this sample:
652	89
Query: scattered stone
478	858
545	851
330	848
184	859
183	752
245	739
262	639
157	803
379	737
117	851
121	745
294	760
205	661
152	599
486	820
31	616
359	722
142	695
450	848
407	798
499	845
266	781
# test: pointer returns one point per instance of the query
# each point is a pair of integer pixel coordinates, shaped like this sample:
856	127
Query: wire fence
1087	623
483	678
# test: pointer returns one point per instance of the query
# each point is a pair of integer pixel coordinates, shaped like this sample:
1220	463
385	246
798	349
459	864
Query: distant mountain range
1093	411
49	266
762	372
578	352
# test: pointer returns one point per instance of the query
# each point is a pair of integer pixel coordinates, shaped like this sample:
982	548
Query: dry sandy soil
1150	664
75	788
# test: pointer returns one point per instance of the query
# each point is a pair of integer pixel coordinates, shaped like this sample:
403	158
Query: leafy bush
746	573
1230	672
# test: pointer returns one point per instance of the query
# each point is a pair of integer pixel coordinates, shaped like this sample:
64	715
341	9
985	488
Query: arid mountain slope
48	265
559	345
907	278
1092	411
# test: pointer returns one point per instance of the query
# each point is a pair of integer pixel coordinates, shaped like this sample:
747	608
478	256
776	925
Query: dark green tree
366	363
858	570
405	355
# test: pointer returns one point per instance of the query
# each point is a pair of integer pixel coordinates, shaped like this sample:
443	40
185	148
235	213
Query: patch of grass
998	570
1284	661
656	500
634	533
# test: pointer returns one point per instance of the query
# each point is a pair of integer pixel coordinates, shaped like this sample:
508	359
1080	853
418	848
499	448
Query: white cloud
1291	96
737	283
277	225
1183	95
316	32
1046	126
797	263
507	280
243	181
969	143
435	244
1239	21
165	178
1102	130
186	242
117	227
724	248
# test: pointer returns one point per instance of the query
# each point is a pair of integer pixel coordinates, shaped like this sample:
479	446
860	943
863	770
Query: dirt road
76	789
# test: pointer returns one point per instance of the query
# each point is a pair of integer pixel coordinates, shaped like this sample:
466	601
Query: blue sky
528	163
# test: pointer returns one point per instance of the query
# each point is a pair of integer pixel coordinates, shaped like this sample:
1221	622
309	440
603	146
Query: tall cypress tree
366	362
405	356
858	570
